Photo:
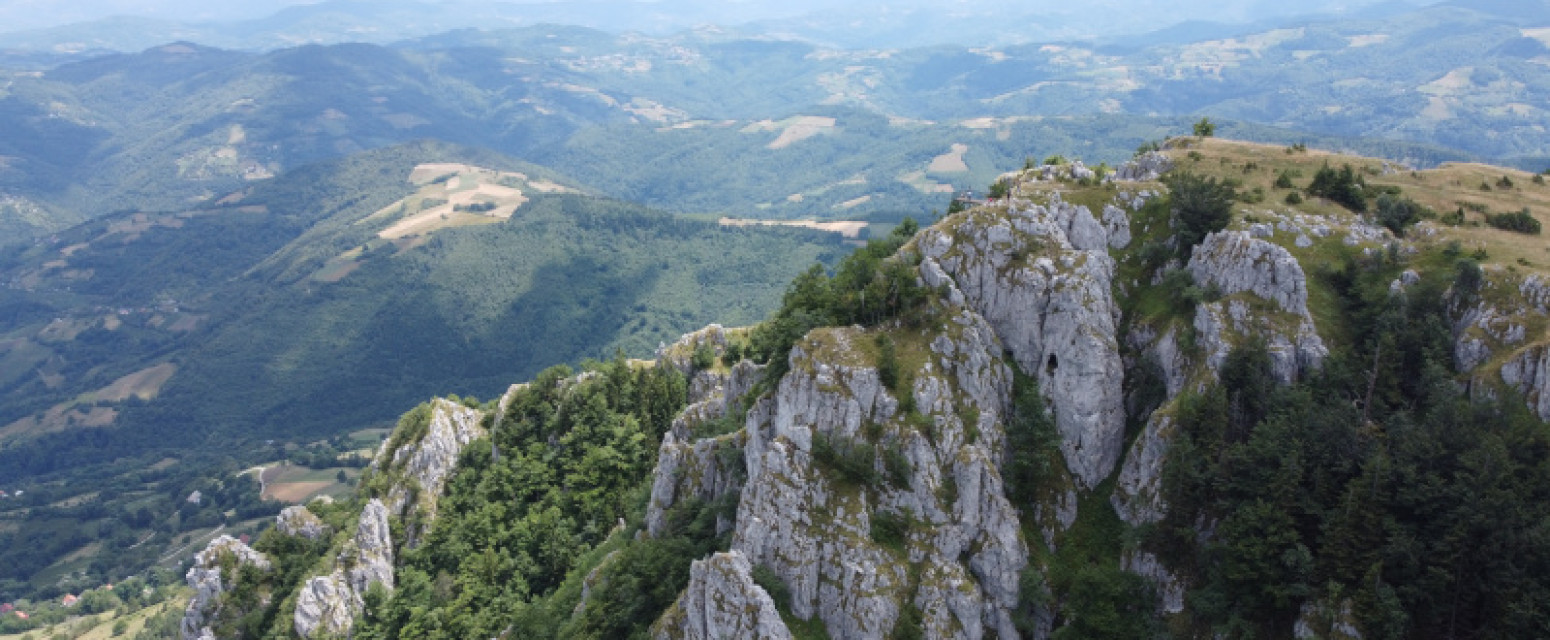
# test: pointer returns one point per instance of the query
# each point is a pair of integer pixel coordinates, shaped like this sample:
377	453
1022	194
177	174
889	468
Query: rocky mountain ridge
873	489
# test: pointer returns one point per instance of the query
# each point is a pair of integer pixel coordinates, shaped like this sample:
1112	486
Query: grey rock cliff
680	355
297	521
326	603
1495	327
1170	590
1145	167
1237	265
330	603
1529	373
1236	262
722	601
813	529
209	584
1137	496
815	534
1049	297
708	469
791	519
1326	621
431	460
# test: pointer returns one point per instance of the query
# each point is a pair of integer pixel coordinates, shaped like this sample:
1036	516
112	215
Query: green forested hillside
202	342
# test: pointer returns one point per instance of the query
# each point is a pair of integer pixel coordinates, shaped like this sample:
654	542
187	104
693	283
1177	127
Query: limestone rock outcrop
1498	328
814	532
709	470
1137	496
706	469
297	521
1233	262
703	383
1324	620
209	584
811	526
326	603
1529	373
431	460
1042	277
329	603
1170	590
1144	168
722	601
1236	264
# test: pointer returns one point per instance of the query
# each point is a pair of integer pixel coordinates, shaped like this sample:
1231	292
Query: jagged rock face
329	603
719	397
1535	292
1219	326
297	521
1049	297
431	461
1145	167
505	402
722	601
326	603
1137	496
593	579
707	470
208	584
1510	334
680	355
373	553
814	531
1116	222
1529	373
1235	263
792	520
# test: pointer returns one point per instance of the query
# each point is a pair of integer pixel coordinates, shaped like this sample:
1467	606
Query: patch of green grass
1098	535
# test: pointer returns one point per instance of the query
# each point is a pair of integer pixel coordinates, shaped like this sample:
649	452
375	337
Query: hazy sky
16	15
1097	15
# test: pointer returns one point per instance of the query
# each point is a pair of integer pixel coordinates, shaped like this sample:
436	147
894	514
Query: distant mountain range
716	121
869	24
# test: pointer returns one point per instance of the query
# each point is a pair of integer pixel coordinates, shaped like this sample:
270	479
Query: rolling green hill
279	317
